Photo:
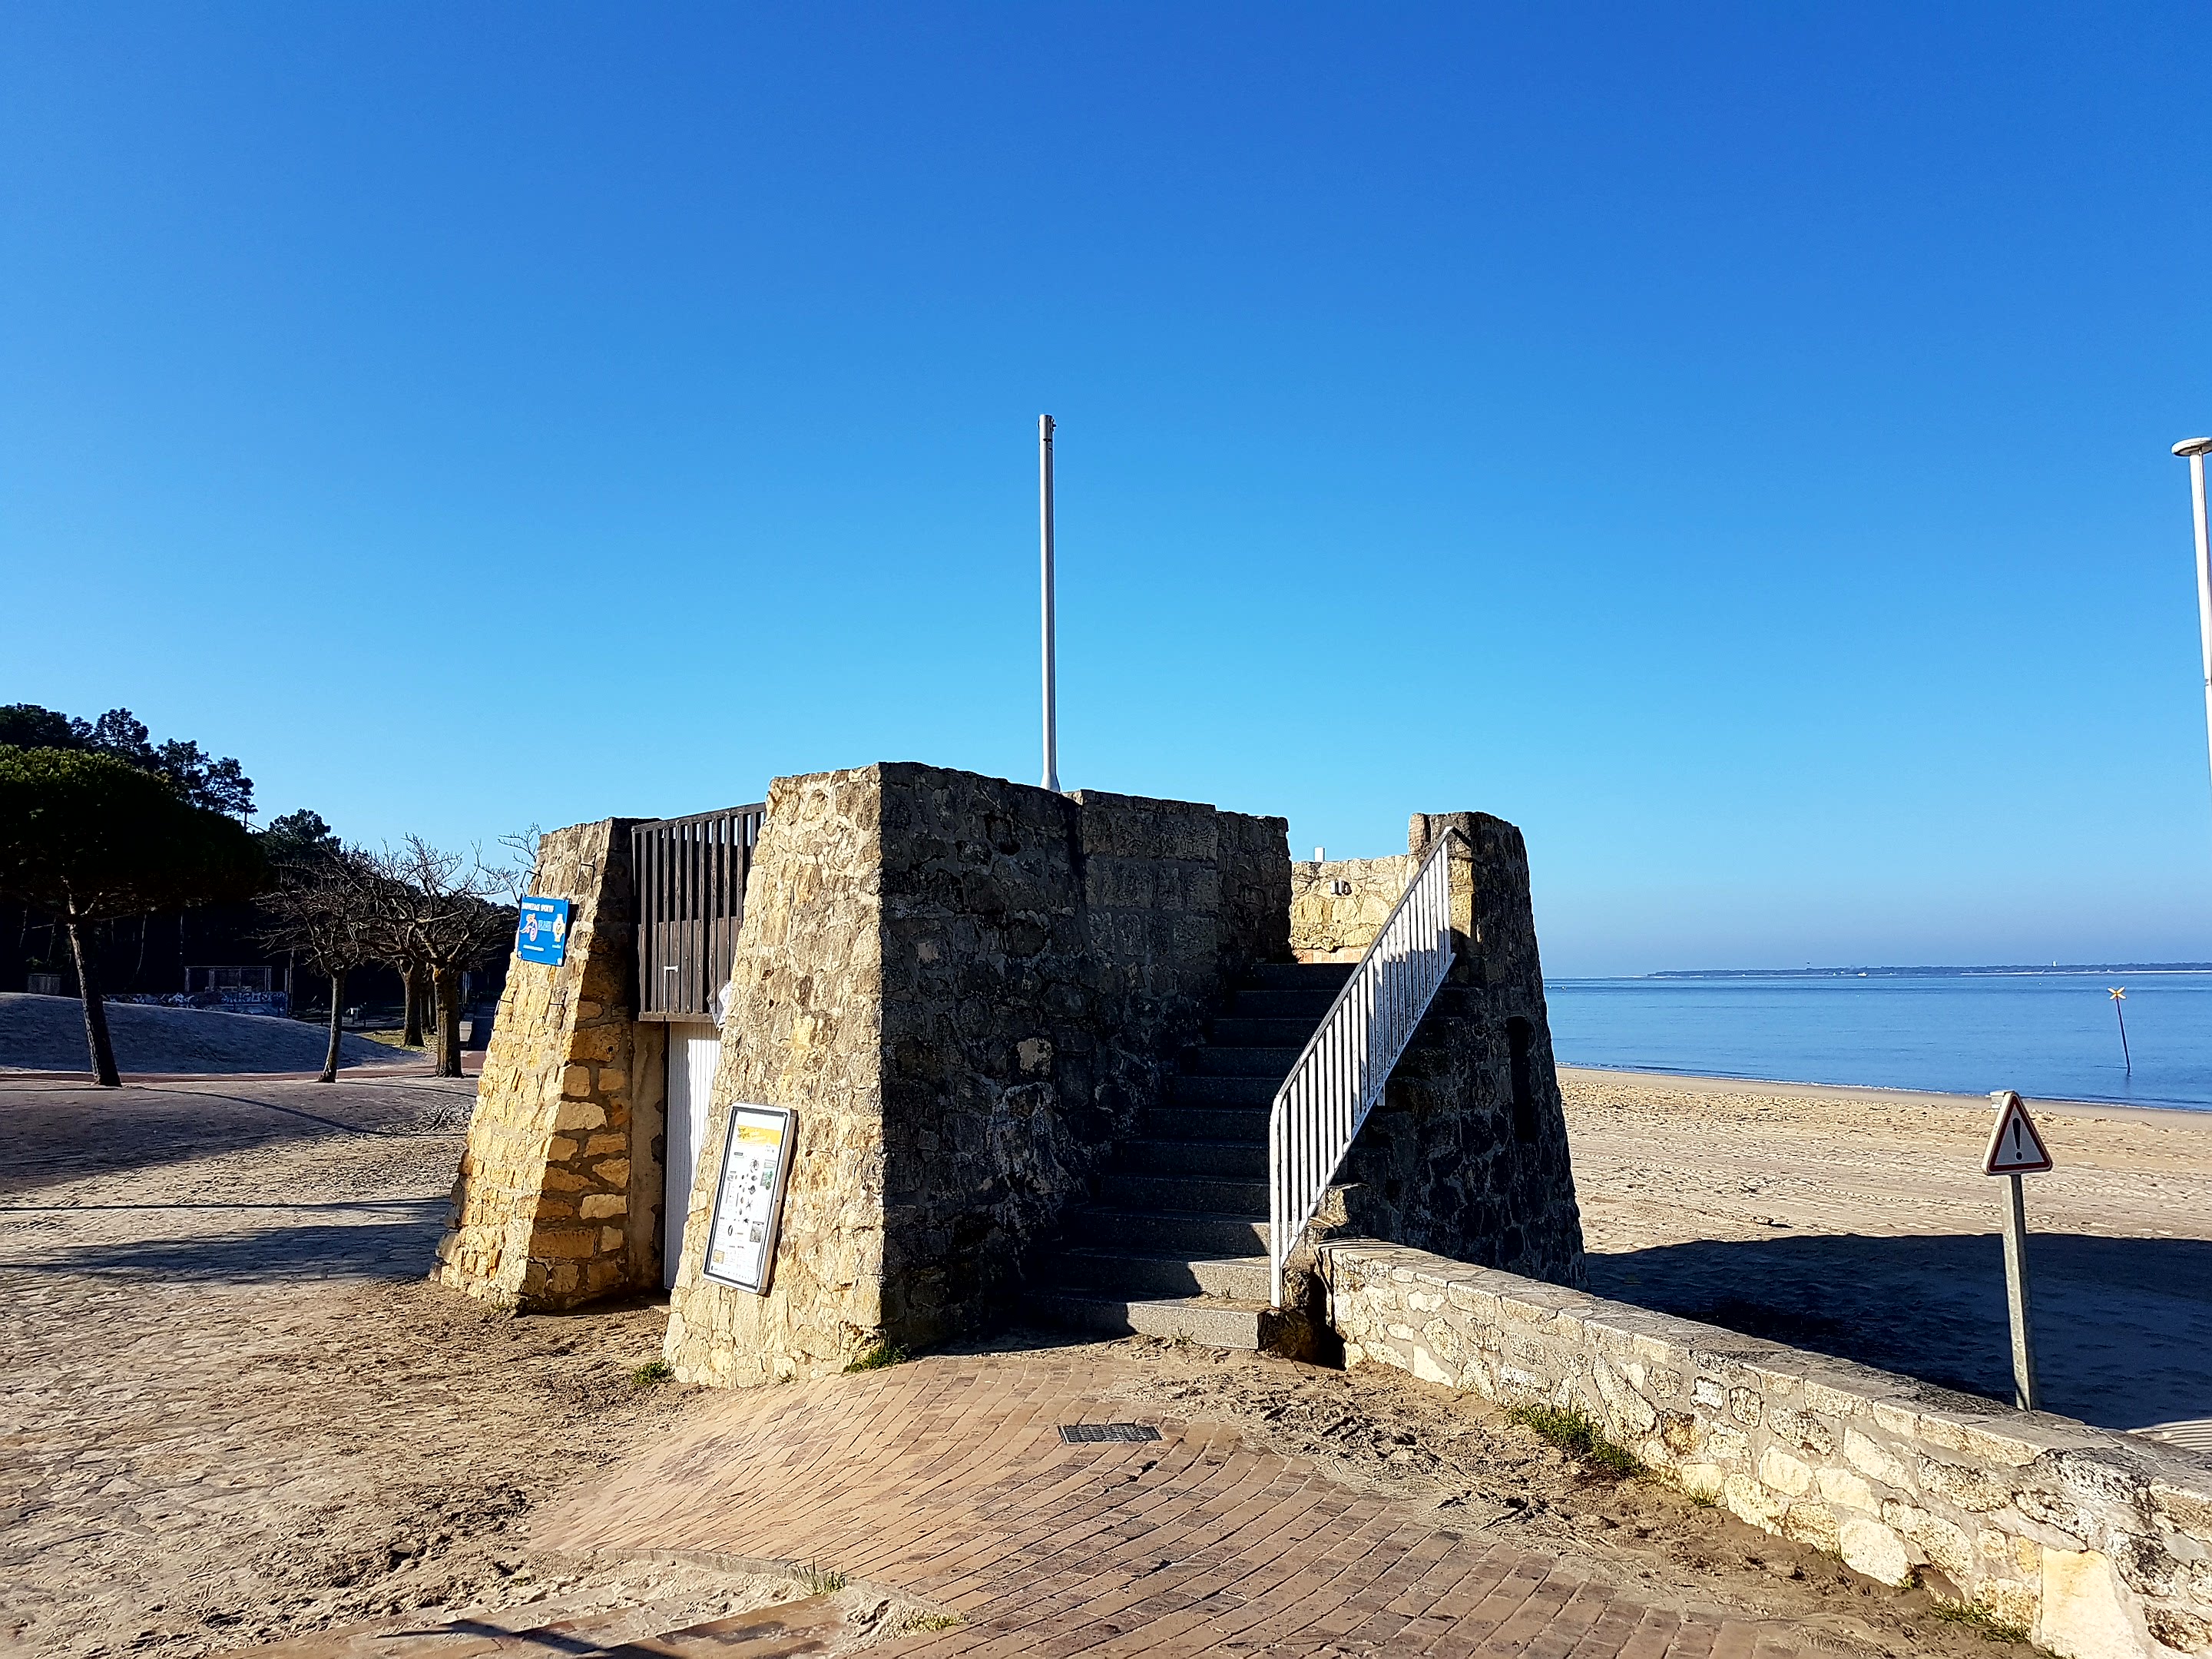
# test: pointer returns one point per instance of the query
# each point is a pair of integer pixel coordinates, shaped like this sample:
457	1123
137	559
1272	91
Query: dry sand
46	1034
231	1410
1857	1222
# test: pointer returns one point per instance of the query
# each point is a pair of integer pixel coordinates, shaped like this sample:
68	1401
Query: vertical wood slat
690	874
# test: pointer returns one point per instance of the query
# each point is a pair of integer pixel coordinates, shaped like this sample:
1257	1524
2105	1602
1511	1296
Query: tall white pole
2203	582
1044	533
2194	449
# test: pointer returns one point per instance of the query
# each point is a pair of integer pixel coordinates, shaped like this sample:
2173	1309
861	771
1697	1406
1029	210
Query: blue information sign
541	934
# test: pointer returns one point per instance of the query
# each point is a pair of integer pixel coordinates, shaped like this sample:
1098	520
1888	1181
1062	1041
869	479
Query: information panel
541	931
749	1196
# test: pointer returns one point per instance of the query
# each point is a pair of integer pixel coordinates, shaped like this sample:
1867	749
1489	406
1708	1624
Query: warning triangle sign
2015	1147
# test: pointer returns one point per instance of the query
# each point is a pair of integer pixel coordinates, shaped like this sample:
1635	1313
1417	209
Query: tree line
98	823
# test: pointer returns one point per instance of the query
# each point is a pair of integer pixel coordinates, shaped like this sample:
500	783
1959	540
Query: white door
693	1053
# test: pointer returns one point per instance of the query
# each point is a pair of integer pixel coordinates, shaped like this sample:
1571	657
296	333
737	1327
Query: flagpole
1044	537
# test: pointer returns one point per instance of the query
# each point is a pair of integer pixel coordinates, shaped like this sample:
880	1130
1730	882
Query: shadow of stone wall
2095	1543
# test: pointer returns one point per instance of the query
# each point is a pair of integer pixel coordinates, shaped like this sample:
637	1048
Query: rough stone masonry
2097	1544
969	988
558	1197
970	991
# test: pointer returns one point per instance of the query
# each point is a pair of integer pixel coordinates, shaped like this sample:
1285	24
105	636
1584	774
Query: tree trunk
446	983
95	1011
337	1002
410	980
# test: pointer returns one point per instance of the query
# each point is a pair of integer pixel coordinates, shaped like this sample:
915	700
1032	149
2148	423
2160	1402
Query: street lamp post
2195	449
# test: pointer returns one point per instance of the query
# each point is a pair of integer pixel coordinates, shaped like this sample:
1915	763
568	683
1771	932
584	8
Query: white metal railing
1345	1063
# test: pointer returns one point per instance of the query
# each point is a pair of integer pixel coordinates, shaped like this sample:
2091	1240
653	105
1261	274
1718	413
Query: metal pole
2015	1257
2194	449
2203	582
1044	530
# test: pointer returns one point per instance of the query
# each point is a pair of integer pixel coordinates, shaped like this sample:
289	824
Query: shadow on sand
400	1242
2123	1326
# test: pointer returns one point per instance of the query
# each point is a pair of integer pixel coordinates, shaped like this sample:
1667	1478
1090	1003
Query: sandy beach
1857	1222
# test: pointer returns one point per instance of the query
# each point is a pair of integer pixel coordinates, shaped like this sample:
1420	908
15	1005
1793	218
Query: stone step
1238	1031
1245	1123
1213	1061
1187	1089
1218	1322
1146	1274
1207	1195
1189	1234
1239	1160
1297	976
1307	1006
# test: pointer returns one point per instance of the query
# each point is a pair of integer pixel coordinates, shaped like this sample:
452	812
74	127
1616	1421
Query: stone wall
801	1027
1466	1152
1329	926
559	1194
970	988
2096	1543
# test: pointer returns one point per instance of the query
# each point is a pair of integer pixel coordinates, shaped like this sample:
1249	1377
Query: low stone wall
1328	925
2096	1543
558	1199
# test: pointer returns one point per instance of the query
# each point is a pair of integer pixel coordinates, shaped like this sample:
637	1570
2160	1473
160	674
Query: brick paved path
947	1479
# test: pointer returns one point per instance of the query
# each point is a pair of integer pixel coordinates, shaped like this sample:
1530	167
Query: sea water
2050	1035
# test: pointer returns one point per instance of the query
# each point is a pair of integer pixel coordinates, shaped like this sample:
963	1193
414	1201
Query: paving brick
945	1480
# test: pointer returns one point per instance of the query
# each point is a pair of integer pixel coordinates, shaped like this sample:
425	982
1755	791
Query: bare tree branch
438	908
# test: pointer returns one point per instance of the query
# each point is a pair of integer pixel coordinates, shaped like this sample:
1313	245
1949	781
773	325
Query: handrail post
1346	1064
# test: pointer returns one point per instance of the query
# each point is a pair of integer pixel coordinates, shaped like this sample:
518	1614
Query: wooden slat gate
691	874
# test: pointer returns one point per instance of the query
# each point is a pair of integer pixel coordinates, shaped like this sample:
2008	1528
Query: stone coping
2095	1543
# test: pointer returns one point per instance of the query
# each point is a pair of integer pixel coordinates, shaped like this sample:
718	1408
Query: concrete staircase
1175	1241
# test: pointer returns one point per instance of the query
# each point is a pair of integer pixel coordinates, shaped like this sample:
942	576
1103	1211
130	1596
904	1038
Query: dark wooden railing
690	875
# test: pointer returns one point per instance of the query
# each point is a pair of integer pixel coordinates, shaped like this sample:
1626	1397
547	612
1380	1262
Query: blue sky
1728	441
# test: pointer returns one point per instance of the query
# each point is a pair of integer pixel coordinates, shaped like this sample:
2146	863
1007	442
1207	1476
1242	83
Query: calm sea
2050	1035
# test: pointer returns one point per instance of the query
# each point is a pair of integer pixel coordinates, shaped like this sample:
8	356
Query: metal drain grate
1081	1434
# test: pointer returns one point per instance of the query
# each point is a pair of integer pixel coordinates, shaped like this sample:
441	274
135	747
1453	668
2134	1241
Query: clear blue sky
1728	441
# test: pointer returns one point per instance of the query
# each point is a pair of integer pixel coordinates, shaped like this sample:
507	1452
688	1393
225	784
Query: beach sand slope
1857	1222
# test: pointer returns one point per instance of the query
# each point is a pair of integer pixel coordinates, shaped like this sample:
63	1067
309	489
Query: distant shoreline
2056	970
1691	1082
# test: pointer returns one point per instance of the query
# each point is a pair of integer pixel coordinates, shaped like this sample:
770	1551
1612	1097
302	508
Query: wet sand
1857	1222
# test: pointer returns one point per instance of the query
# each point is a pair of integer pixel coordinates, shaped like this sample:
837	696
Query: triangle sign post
2016	1149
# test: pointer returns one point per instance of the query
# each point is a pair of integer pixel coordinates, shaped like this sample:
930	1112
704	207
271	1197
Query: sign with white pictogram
748	1197
541	931
2015	1147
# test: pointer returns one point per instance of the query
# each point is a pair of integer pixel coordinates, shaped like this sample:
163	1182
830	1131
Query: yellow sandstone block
2082	1616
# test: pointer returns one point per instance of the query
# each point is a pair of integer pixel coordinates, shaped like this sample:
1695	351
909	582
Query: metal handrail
1342	1071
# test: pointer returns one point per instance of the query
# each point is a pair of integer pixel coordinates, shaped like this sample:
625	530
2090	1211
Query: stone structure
989	1004
559	1195
2099	1544
969	988
1466	1153
1338	907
